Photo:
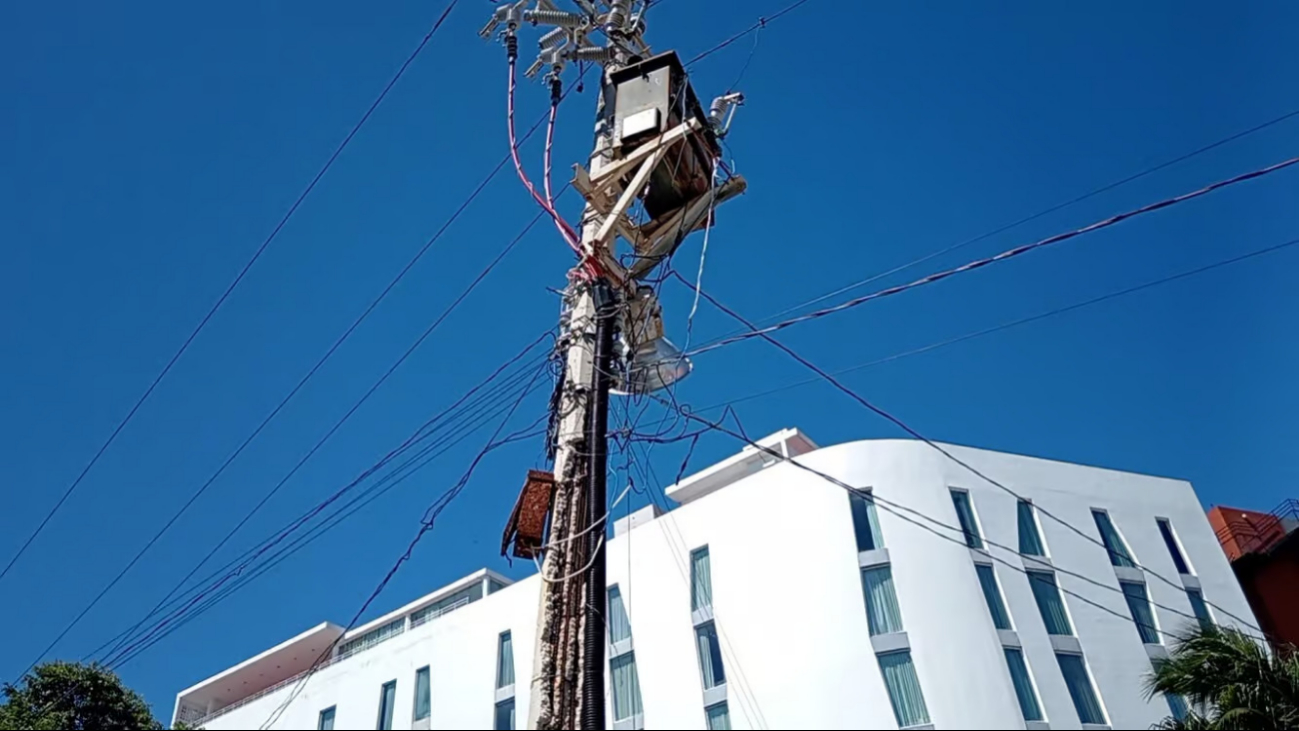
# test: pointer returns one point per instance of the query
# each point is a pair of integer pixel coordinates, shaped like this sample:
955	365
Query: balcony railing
1258	533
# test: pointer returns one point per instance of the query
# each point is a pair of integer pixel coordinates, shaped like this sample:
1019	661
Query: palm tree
1231	681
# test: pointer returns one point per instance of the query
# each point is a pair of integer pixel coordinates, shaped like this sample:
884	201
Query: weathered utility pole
653	144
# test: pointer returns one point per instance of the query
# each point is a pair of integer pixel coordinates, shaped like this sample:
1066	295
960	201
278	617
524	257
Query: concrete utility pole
654	144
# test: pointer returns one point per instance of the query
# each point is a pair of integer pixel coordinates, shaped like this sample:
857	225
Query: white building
772	599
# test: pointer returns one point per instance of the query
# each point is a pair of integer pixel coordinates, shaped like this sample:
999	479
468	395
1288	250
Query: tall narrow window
1174	548
719	717
1118	550
904	689
701	579
1200	609
1142	615
991	592
326	721
619	626
882	614
504	718
710	656
505	662
865	521
626	687
965	513
1049	603
1081	690
1030	538
1177	707
1023	683
423	694
387	701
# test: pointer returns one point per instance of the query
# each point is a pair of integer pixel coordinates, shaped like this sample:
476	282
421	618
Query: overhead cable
1011	324
1005	255
284	402
275	232
426	524
1033	217
242	564
943	450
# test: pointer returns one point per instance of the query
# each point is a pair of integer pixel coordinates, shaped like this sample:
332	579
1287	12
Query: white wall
788	602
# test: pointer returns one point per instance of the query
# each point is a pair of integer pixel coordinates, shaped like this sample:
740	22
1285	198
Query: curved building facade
924	597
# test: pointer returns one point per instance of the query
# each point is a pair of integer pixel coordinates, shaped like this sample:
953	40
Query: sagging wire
587	267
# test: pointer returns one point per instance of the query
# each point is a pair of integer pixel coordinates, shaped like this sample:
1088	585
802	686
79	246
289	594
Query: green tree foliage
1231	682
60	695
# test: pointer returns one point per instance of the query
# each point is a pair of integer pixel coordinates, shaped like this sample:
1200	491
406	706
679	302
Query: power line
452	423
426	525
1009	254
230	289
759	25
939	448
897	509
1013	323
393	479
1044	212
328	435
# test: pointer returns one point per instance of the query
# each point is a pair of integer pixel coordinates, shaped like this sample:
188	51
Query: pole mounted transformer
655	145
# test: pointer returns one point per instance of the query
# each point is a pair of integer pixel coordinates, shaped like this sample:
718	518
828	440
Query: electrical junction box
652	97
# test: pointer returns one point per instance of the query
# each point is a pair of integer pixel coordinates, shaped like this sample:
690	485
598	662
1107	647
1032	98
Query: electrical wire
1013	323
426	525
942	450
762	23
275	232
319	444
1005	255
958	534
421	434
390	481
1040	214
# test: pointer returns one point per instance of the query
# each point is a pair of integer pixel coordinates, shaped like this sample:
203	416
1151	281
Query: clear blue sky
150	147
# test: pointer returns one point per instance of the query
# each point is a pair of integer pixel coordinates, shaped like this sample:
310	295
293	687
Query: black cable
762	23
418	436
1044	212
938	447
1013	323
958	536
1003	256
426	525
358	503
328	435
225	295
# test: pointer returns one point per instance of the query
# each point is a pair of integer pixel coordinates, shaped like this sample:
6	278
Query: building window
882	614
619	625
701	579
1081	690
866	521
387	700
423	694
1200	609
1030	537
1118	550
1177	707
326	721
626	687
710	656
719	717
504	720
1174	548
991	592
965	513
372	638
1023	683
505	662
1142	615
904	689
1050	603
